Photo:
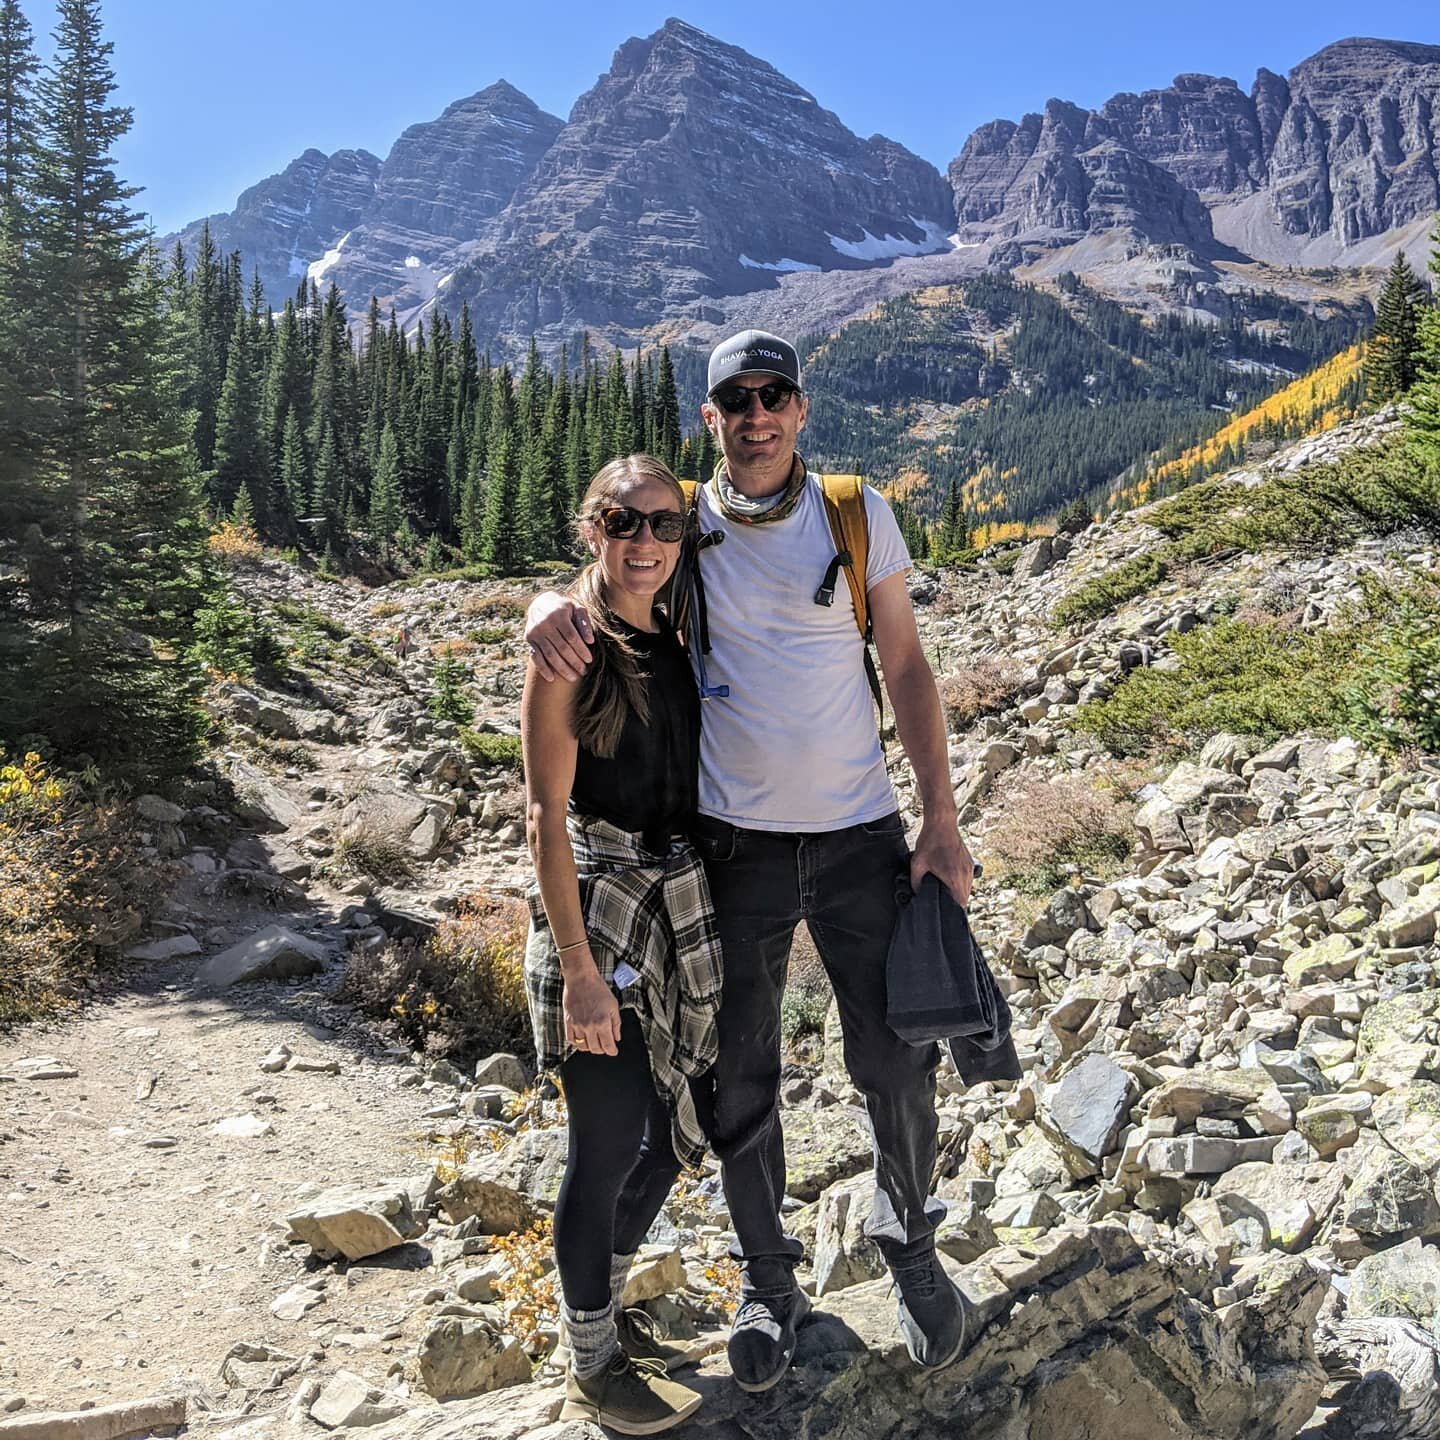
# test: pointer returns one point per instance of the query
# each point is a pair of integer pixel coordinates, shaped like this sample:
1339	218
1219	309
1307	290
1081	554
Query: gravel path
138	1243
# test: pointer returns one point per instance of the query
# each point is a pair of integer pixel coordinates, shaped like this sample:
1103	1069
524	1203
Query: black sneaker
762	1335
931	1311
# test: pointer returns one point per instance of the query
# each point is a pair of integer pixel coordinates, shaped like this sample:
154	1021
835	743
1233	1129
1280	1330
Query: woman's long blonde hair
614	686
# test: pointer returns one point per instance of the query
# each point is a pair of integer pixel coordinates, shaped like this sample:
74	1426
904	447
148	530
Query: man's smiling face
758	444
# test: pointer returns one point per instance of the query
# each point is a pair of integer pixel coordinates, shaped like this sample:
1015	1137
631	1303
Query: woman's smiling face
641	565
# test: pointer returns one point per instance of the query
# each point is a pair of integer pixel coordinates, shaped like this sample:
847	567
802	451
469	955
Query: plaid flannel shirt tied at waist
654	912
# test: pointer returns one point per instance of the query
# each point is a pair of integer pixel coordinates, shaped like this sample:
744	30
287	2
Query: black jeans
620	1167
843	883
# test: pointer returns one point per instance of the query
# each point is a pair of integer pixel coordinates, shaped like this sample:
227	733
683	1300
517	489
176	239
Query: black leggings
620	1167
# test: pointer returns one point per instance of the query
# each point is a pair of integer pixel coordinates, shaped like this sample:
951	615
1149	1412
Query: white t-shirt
794	746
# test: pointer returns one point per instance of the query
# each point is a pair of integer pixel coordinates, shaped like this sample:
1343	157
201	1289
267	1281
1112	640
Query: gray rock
1389	1198
348	1400
274	953
460	1357
355	1223
503	1069
1086	1109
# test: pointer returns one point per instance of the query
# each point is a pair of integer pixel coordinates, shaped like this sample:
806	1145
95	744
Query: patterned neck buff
744	511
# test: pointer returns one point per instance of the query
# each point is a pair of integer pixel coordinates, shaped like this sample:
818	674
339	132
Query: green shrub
1317	507
310	618
231	639
489	749
450	701
370	850
1251	679
1394	702
1104	593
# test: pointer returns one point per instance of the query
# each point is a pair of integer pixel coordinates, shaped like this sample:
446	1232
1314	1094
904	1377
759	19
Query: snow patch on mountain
891	247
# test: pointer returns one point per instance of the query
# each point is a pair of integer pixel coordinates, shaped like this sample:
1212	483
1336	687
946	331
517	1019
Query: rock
256	1366
478	1285
503	1069
1333	958
170	947
822	1147
44	1067
355	1222
1413	922
274	953
1157	822
348	1400
1390	1199
484	1189
1064	914
843	1254
242	1127
1224	1094
1403	1281
658	1270
1058	1350
1201	1154
1293	1200
158	811
1409	1119
162	1413
460	1357
1086	1109
275	1061
297	1302
1035	559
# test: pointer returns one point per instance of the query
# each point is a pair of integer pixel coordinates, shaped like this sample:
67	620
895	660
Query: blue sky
228	91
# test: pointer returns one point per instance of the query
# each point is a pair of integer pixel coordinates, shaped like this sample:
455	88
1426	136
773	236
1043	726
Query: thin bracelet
561	949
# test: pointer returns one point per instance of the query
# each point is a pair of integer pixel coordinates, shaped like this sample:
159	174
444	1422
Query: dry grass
370	850
1045	829
979	689
493	607
74	888
461	994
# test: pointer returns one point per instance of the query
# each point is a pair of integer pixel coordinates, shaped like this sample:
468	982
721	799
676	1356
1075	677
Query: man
798	821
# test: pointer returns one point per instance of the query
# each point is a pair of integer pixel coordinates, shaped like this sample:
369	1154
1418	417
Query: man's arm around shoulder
558	636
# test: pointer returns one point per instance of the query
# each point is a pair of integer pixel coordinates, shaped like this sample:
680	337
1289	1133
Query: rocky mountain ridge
1210	1208
695	187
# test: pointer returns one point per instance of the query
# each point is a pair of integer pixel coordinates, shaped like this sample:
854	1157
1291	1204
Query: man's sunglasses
735	399
621	522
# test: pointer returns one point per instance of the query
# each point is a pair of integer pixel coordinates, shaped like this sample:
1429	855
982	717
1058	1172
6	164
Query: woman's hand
592	1015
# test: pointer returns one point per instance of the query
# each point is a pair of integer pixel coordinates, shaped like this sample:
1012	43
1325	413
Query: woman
622	966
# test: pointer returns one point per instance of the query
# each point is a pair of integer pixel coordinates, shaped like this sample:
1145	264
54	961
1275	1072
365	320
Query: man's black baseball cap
752	352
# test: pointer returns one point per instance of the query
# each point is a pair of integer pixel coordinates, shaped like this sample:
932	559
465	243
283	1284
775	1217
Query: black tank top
651	783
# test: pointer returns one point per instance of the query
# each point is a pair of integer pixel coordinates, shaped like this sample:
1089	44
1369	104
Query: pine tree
1393	352
385	501
502	534
242	460
1423	416
950	533
667	412
118	553
295	479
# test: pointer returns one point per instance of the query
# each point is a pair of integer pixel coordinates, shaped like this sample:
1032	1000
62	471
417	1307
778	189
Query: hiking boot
632	1397
762	1335
931	1311
639	1338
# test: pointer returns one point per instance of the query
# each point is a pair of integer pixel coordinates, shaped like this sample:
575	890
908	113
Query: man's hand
558	637
939	851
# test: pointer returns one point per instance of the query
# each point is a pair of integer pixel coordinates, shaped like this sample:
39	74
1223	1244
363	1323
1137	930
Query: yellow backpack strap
850	529
692	494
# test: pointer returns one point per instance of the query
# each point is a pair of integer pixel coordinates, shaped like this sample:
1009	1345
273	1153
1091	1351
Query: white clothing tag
625	976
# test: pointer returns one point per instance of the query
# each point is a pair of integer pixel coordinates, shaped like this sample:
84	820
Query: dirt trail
137	1243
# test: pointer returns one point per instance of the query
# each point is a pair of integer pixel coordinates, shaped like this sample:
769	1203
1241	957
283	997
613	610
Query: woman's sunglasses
735	399
621	522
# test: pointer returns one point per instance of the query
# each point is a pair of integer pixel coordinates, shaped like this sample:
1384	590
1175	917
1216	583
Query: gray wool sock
593	1342
619	1274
